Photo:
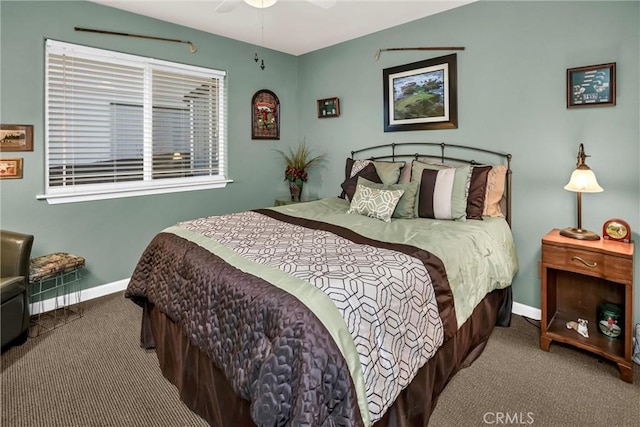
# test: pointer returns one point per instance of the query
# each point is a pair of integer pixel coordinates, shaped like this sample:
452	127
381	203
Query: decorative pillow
405	208
477	191
357	166
349	185
405	174
375	203
477	186
495	191
389	172
435	160
460	179
436	194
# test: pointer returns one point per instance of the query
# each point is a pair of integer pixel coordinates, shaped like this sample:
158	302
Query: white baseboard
526	311
121	285
76	297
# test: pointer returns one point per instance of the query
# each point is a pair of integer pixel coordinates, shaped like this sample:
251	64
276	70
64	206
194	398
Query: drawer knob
585	262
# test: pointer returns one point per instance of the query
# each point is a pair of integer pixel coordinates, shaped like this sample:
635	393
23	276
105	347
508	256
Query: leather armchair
15	253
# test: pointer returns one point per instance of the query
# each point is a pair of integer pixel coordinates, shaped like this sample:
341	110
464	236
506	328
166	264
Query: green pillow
389	172
460	191
405	209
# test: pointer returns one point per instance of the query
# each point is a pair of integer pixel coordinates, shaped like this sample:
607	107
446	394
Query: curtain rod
192	48
377	56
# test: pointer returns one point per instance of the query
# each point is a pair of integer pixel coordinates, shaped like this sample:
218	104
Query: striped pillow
477	191
437	195
459	193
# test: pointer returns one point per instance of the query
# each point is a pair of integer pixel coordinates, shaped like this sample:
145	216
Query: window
121	125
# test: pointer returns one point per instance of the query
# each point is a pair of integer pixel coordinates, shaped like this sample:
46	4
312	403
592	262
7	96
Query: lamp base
579	233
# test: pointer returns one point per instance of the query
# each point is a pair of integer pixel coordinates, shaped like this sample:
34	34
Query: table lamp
583	180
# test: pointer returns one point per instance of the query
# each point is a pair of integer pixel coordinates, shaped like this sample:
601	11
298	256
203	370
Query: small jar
610	321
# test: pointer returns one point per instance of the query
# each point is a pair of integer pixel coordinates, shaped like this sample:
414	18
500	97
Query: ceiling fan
227	6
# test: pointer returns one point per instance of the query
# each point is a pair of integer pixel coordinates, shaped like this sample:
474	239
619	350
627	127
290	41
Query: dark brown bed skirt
205	390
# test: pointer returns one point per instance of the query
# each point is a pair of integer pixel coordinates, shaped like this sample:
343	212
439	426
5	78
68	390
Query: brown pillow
477	192
347	168
349	185
347	174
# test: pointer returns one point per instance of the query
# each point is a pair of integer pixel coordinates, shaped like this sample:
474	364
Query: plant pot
295	190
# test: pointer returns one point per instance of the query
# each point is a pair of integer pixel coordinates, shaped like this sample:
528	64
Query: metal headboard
401	151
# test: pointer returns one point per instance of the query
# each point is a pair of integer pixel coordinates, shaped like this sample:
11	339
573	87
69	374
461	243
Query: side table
54	276
577	277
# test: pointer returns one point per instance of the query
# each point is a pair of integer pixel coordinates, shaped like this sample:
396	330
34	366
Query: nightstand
287	201
578	276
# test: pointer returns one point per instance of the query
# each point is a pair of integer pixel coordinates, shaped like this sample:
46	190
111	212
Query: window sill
86	196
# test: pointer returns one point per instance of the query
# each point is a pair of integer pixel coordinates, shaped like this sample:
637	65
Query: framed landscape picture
593	85
16	137
11	168
421	95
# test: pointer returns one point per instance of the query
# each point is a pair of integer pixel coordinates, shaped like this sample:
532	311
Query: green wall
511	85
511	97
111	234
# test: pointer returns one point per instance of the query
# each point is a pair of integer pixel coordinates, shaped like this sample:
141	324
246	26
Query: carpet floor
92	372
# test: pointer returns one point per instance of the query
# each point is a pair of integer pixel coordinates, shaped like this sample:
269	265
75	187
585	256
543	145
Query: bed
347	311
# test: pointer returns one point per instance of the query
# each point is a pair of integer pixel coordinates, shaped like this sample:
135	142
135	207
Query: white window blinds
123	124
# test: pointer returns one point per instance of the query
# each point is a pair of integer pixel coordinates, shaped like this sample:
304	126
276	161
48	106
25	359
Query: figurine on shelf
580	326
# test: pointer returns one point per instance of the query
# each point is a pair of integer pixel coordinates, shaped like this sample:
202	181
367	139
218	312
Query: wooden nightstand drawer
588	262
580	261
619	269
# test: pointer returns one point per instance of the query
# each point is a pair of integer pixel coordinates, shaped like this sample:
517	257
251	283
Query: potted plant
298	161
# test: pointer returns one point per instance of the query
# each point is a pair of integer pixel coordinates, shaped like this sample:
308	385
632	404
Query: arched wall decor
265	115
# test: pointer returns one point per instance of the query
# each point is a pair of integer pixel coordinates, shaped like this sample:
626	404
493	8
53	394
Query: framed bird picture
590	86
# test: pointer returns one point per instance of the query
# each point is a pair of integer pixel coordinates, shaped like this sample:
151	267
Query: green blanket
479	256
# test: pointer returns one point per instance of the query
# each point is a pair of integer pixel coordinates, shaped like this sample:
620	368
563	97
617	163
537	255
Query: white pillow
374	202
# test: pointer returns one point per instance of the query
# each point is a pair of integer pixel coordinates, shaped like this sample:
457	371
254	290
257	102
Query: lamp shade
583	180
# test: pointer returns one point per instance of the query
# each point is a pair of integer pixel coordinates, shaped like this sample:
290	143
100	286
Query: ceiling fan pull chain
262	65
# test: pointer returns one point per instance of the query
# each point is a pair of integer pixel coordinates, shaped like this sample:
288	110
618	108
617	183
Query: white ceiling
291	26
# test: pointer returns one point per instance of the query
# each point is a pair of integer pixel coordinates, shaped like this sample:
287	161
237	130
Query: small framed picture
265	115
616	229
590	86
328	107
16	137
11	168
